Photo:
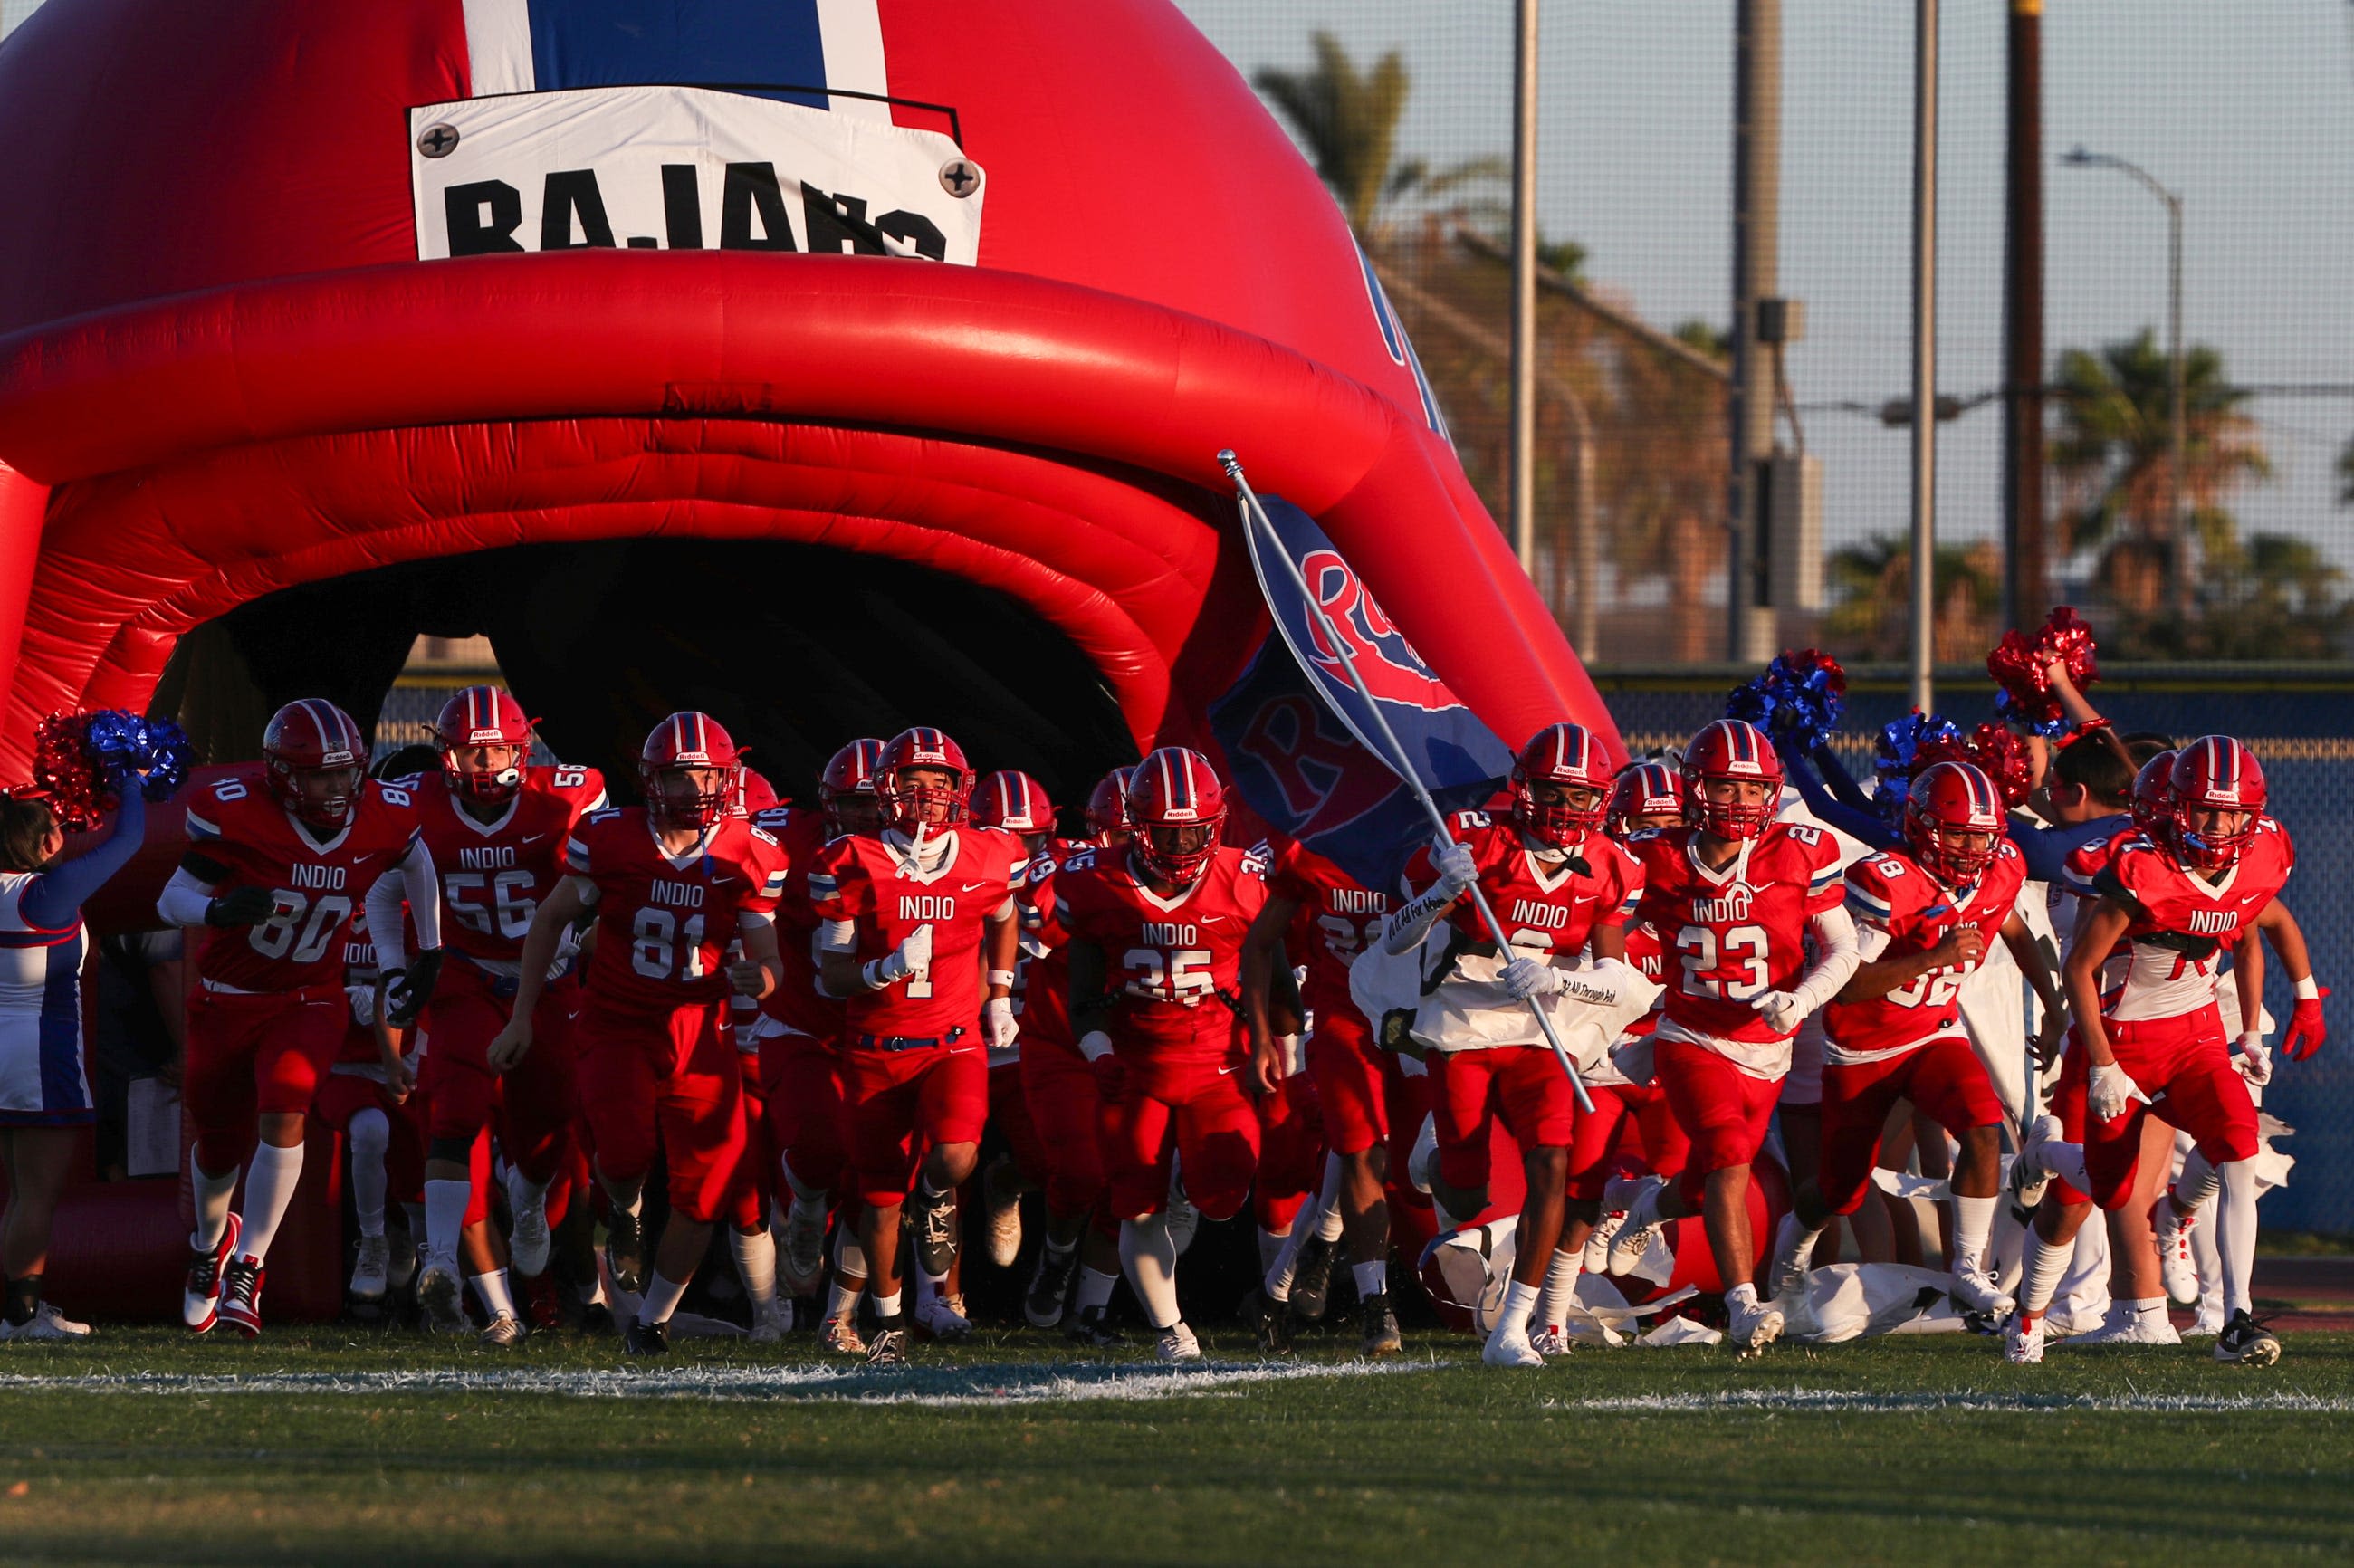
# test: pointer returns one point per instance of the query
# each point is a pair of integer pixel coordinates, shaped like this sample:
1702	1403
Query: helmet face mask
2219	801
922	781
1561	785
315	760
1108	823
690	773
1647	796
484	738
1953	821
1178	808
1733	781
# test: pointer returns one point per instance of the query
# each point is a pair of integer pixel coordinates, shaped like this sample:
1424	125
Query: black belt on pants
907	1042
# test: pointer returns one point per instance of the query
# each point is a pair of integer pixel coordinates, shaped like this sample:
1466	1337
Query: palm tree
1349	119
2114	453
1873	584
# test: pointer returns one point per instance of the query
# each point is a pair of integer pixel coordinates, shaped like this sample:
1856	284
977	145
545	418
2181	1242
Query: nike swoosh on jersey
975	886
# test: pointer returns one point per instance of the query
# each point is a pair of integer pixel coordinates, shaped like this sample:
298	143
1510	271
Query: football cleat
1510	1347
441	1300
2124	1326
1553	1342
1630	1247
802	1253
2175	1266
200	1296
889	1348
1381	1337
2028	1175
935	1217
46	1323
2247	1342
596	1318
2207	1325
773	1321
1271	1321
1975	1290
240	1296
543	1304
1177	1344
527	1240
1088	1331
2022	1343
1598	1245
1050	1286
1004	1203
942	1318
1311	1278
372	1269
625	1251
841	1336
1752	1325
644	1339
504	1330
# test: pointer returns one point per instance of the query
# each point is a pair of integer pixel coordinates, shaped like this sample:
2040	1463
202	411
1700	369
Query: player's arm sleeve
1408	924
186	898
1837	956
411	878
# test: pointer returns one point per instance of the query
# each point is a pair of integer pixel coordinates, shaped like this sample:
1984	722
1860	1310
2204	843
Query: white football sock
1973	1223
269	1189
2046	1264
1560	1287
492	1290
1520	1300
842	1300
1372	1279
445	1220
370	1138
1095	1289
2235	1235
212	1194
524	1194
1328	1217
2199	1182
1270	1246
660	1299
2152	1311
756	1265
888	1307
849	1256
1148	1254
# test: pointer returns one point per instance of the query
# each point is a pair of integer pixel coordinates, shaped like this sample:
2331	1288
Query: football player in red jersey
496	827
1155	954
1356	1081
801	1064
2210	876
673	884
1562	890
1110	826
1734	895
361	1096
919	938
1923	917
1014	802
279	857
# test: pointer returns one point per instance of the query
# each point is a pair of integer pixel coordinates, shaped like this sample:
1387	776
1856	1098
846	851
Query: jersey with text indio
869	883
2182	922
797	1002
235	822
1546	906
1732	935
1173	965
664	921
1341	916
494	874
1900	910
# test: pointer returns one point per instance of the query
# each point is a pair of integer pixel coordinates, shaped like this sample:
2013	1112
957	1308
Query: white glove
1095	1045
1783	1010
2110	1092
2256	1062
912	956
1526	977
997	1023
363	1001
1455	867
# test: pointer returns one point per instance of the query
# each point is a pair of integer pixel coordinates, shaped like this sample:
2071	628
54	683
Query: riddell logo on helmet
483	737
337	758
685	757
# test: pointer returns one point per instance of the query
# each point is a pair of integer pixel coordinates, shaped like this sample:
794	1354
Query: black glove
406	991
241	906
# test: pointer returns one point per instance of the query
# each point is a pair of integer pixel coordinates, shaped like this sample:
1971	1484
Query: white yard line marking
929	1387
1845	1402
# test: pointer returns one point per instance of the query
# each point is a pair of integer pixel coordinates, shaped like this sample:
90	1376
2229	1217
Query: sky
2246	108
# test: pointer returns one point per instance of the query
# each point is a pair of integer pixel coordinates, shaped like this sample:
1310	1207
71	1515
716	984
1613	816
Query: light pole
2179	517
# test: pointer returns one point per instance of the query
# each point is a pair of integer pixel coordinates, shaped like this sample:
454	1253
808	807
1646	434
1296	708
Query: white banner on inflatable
684	168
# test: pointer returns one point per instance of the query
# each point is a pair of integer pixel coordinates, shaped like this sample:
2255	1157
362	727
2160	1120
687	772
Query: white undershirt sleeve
185	899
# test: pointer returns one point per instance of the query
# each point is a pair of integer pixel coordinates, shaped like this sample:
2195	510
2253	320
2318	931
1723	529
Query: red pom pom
78	796
1998	750
2018	665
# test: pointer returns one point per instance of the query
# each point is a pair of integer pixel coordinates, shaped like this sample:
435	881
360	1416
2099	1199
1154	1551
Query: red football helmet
1014	801
1568	754
2153	797
682	745
478	716
1734	749
1947	799
315	757
1646	789
1108	823
754	794
905	806
849	772
1173	797
2216	773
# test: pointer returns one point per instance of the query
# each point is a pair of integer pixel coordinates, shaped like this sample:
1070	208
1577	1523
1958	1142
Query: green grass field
359	1448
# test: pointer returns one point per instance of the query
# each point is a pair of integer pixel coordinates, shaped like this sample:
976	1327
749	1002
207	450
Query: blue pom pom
159	753
1900	744
2009	709
1799	699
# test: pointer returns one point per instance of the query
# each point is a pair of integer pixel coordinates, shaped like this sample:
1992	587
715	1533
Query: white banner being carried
685	168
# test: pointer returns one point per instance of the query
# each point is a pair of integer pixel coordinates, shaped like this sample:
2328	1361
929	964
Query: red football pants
896	1104
1202	1114
1523	1085
250	1055
2184	1064
1944	1078
533	1101
1723	1110
1059	1088
668	1075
